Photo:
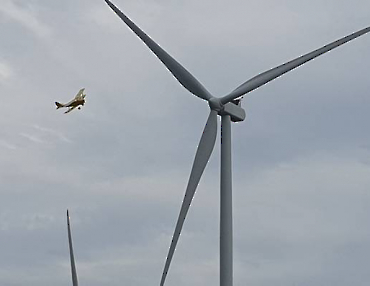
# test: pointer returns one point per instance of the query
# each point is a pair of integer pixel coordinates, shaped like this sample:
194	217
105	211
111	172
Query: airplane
76	102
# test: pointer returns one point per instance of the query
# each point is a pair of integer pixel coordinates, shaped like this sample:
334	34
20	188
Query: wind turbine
229	108
73	265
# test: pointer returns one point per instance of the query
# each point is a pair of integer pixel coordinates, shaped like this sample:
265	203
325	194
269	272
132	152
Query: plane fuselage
75	103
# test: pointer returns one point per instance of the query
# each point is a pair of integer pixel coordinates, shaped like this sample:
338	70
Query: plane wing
80	94
70	109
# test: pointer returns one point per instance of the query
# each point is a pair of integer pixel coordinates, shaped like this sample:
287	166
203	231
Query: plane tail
59	105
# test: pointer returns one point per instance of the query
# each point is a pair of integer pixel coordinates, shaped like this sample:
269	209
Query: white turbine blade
73	265
271	74
204	151
180	73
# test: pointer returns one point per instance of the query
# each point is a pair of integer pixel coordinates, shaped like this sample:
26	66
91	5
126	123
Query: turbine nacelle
233	108
236	112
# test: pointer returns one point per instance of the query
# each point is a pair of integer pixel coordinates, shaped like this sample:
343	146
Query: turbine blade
73	265
204	151
180	73
271	74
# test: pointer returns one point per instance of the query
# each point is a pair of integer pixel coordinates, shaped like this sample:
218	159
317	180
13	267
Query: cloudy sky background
301	160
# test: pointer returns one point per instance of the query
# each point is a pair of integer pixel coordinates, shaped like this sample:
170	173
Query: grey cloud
25	16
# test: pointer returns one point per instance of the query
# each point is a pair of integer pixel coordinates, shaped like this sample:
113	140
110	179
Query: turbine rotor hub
216	104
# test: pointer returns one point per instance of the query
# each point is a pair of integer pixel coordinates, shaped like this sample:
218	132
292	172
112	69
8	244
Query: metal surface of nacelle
236	113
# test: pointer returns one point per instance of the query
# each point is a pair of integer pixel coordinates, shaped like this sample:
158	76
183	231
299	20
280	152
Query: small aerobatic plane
76	102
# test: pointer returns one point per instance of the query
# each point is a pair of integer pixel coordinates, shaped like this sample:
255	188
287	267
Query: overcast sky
301	160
